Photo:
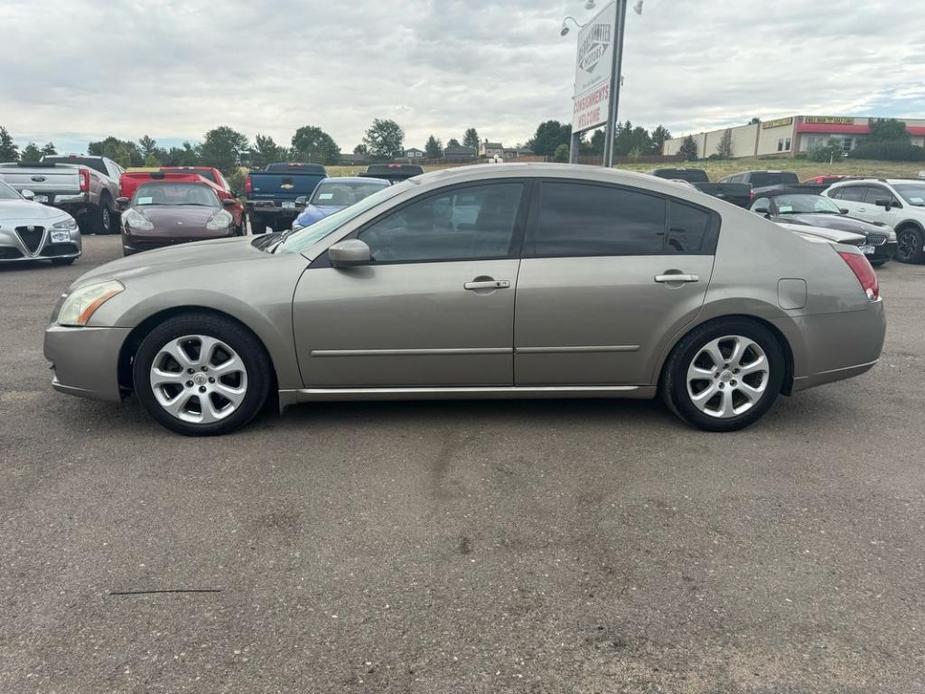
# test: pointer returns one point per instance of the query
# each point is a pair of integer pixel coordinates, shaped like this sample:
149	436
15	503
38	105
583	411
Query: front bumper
85	361
13	249
882	253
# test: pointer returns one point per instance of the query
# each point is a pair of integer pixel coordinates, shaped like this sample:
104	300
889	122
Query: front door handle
669	278
487	284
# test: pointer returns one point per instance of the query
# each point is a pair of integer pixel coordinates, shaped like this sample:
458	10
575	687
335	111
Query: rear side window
576	219
852	193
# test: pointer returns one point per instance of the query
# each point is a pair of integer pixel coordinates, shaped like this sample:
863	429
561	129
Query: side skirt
295	396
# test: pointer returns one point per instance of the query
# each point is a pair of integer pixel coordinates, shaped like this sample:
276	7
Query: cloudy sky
78	70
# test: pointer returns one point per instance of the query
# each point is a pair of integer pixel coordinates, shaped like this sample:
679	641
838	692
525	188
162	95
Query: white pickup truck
86	187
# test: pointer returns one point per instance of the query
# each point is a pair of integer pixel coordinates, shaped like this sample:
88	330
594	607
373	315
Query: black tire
101	219
237	337
674	384
258	223
909	241
62	261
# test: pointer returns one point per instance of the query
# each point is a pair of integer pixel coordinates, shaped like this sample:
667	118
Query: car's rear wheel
909	242
202	375
724	375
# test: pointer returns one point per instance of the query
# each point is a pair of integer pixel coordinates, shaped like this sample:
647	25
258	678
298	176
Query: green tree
384	139
123	152
187	155
31	153
659	136
434	148
453	142
549	135
360	150
49	149
311	143
266	151
152	160
148	146
829	152
223	148
561	153
9	150
688	148
471	138
888	130
628	138
724	148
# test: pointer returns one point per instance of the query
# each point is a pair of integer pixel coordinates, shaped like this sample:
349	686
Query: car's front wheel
202	375
909	245
724	375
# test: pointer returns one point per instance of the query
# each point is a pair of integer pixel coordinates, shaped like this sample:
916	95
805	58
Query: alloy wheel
728	376
906	244
106	218
198	379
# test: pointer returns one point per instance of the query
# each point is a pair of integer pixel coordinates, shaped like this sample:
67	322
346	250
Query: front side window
474	222
875	193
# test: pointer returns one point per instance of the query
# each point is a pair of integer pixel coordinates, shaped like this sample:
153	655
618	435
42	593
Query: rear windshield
90	163
760	179
175	194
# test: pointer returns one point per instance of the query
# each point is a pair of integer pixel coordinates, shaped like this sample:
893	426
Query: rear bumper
840	345
85	361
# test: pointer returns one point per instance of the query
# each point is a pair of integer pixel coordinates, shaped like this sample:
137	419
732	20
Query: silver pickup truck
86	187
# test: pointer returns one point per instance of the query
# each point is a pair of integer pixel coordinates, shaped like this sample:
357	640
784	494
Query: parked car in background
895	202
791	205
167	212
84	186
272	193
334	194
393	173
736	193
32	231
130	180
614	285
761	179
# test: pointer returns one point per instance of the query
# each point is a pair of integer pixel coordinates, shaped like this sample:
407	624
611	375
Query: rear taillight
864	272
248	186
84	181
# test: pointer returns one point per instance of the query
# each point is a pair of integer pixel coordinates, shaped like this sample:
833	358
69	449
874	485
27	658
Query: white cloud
173	69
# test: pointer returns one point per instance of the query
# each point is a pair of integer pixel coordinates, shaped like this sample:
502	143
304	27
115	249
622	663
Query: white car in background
32	231
897	202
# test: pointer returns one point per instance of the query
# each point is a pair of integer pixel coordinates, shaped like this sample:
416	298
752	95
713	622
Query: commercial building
791	135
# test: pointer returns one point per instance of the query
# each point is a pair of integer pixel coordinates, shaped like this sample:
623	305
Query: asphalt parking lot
561	546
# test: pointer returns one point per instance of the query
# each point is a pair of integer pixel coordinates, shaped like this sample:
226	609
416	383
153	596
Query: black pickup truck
272	193
736	193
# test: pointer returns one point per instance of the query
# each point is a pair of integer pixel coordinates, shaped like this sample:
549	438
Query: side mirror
229	202
301	200
844	210
27	194
762	210
122	203
349	253
883	202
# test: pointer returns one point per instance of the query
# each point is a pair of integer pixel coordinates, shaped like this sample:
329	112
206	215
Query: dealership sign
593	70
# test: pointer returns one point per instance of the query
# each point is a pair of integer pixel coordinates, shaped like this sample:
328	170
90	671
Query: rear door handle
676	278
488	284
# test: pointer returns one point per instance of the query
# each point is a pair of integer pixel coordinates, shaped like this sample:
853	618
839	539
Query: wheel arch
139	332
783	341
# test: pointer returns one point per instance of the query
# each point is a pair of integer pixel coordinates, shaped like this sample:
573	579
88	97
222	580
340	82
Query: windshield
805	204
7	193
913	193
297	241
175	194
343	193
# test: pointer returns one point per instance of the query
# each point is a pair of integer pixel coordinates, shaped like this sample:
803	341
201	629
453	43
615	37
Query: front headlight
220	220
80	305
69	224
135	220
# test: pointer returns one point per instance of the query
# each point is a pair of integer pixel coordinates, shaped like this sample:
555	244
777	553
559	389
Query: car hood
832	221
27	211
196	255
177	217
314	213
